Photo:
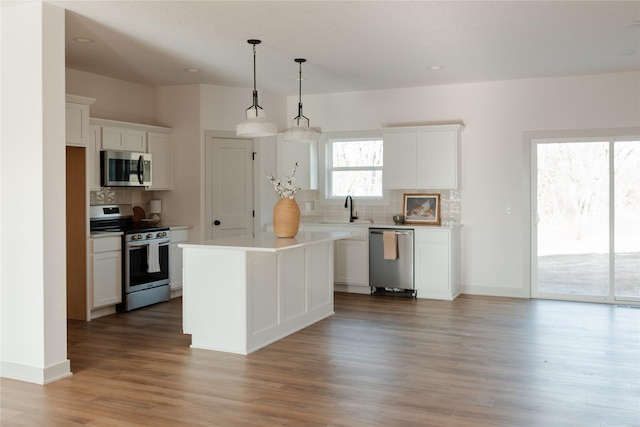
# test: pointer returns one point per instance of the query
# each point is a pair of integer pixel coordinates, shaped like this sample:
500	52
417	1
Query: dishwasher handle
398	232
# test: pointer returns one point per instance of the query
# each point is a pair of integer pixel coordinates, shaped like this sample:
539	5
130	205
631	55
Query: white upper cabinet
123	139
422	157
303	152
93	158
159	145
136	137
77	120
399	159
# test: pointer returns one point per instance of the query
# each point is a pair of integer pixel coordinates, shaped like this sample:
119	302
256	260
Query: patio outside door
586	234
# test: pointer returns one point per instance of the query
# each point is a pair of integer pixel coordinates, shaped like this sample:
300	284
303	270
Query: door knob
216	222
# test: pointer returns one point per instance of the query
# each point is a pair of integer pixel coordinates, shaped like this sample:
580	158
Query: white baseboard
35	374
104	311
494	291
352	289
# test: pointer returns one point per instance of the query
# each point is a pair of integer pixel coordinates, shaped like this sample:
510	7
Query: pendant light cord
300	115
255	105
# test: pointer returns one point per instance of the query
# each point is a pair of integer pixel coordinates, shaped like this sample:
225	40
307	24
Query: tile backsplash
313	208
312	205
129	196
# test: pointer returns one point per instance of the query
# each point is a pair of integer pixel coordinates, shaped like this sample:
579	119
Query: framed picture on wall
422	209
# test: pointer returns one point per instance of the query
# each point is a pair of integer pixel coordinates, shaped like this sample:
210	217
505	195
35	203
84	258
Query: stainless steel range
145	255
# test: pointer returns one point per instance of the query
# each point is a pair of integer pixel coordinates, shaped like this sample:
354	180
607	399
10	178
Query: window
354	167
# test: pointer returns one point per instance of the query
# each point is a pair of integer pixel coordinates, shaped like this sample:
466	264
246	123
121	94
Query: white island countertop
269	242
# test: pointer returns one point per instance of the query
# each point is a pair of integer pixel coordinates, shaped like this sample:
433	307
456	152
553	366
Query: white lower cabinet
351	262
176	257
437	263
351	257
105	266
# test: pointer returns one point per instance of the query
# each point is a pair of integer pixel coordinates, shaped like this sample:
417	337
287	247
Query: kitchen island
242	293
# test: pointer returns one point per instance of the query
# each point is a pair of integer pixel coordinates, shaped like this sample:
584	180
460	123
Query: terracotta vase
286	218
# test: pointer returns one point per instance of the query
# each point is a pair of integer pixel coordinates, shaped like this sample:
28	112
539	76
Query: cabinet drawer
360	233
179	236
432	236
105	244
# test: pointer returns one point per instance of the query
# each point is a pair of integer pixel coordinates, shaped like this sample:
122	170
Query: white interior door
229	186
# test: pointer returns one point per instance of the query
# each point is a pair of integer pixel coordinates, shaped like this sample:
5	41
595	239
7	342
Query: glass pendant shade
255	125
300	131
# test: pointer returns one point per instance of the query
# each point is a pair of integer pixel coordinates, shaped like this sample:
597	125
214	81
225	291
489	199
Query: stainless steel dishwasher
391	276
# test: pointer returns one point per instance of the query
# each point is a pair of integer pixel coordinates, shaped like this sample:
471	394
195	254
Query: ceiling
350	45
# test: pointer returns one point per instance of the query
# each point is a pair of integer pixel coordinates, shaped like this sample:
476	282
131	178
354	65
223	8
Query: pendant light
255	124
300	130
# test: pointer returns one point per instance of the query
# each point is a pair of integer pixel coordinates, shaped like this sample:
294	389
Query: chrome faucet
350	206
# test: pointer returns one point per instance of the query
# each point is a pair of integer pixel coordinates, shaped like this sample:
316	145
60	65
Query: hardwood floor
379	361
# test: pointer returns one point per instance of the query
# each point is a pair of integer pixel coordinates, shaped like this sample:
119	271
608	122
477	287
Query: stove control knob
150	236
161	234
136	237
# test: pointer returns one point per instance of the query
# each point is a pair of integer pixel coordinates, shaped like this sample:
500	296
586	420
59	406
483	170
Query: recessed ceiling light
633	25
191	70
83	39
435	67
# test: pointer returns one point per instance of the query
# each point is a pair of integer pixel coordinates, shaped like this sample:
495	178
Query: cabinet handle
397	232
216	222
141	170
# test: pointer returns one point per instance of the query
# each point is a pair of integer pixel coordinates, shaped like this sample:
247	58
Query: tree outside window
355	168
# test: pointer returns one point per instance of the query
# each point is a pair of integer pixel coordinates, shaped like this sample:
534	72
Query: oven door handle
163	242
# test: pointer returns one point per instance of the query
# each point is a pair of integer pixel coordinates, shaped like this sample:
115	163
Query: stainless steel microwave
125	169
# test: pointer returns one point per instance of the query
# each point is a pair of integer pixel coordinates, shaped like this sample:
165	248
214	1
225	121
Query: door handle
216	222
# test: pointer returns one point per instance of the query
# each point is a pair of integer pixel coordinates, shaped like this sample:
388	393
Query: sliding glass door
586	232
626	168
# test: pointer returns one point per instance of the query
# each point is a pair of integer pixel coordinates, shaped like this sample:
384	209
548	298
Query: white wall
178	107
495	114
32	175
115	99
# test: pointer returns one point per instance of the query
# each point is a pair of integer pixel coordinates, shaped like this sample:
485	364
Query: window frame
326	145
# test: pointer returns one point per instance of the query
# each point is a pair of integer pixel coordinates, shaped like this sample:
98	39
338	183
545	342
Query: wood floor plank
379	361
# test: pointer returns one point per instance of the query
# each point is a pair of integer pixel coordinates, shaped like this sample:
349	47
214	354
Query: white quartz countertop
341	224
269	242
